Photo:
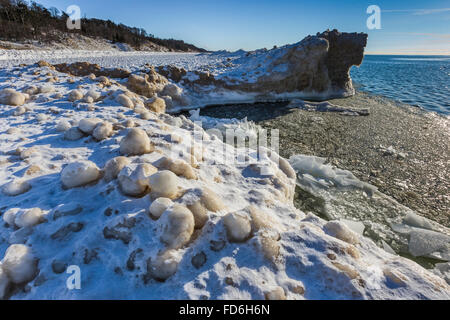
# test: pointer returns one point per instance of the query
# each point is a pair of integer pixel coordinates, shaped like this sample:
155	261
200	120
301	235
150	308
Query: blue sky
407	27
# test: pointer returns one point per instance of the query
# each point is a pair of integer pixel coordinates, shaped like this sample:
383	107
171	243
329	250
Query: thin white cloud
419	12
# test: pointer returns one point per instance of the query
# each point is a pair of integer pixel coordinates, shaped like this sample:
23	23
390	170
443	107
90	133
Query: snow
124	254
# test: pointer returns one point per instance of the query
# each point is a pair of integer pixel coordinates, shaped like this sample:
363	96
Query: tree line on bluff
21	21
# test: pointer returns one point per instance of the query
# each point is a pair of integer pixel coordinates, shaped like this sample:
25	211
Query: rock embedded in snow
27	218
238	226
73	134
173	91
339	230
16	187
63	125
125	101
102	131
156	104
275	294
183	169
80	173
178	226
19	263
134	178
4	282
114	166
11	97
164	184
136	142
164	265
158	207
75	95
88	125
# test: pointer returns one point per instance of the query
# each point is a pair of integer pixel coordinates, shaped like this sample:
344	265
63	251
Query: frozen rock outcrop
315	68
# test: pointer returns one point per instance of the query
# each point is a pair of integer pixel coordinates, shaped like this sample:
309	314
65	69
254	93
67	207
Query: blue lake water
415	80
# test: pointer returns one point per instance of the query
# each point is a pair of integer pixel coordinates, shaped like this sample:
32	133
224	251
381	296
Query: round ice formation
113	167
164	265
10	216
182	168
164	184
19	263
12	97
63	125
238	227
134	178
275	294
125	101
73	134
88	125
23	218
4	282
102	131
75	95
158	206
16	187
79	173
29	218
156	104
178	226
136	142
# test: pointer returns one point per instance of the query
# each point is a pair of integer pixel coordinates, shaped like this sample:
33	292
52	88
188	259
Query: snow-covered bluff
132	214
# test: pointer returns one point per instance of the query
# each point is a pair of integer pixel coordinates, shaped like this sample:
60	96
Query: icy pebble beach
149	205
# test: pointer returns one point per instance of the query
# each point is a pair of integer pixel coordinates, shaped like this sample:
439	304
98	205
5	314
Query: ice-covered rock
134	178
75	95
125	101
12	97
114	166
178	226
24	218
88	125
156	104
80	173
164	265
19	263
238	226
102	131
164	184
340	230
16	187
158	207
63	125
73	134
136	142
4	282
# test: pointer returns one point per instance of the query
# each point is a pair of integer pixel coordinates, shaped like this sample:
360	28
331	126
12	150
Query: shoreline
398	148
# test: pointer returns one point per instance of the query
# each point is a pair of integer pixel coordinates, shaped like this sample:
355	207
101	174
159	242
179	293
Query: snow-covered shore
229	231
